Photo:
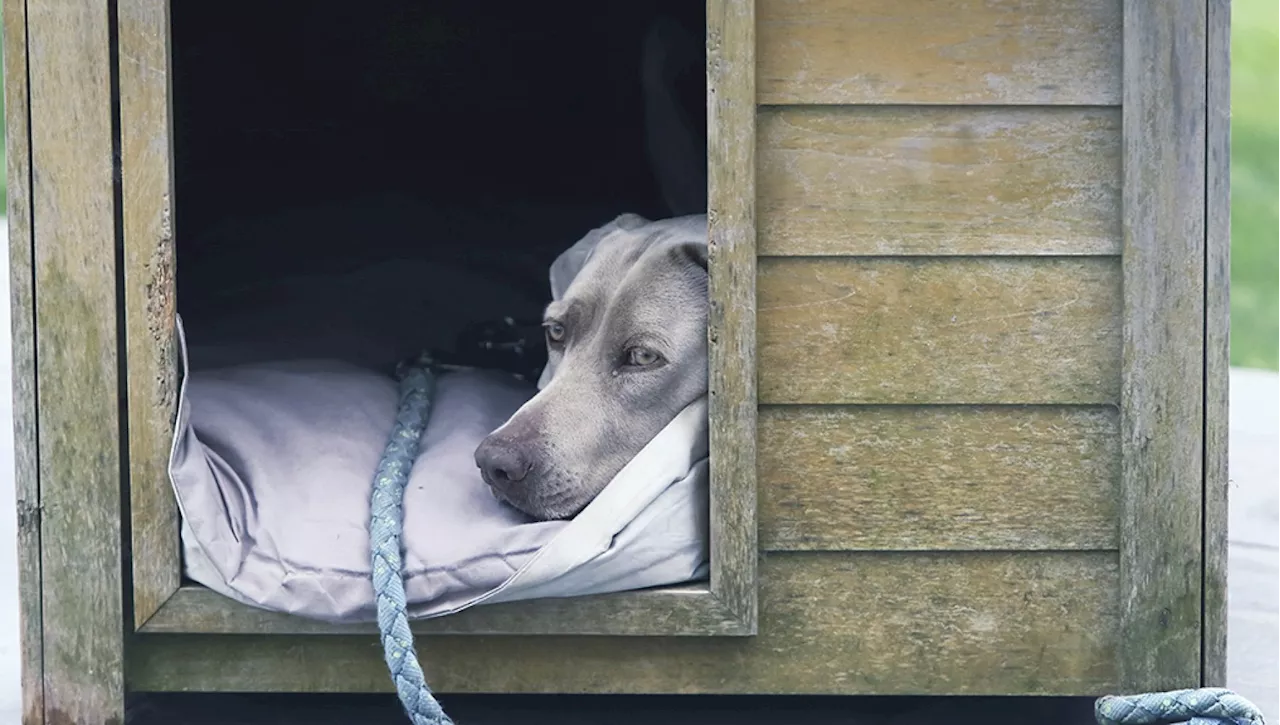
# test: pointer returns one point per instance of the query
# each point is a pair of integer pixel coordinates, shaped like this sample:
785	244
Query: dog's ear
691	253
571	261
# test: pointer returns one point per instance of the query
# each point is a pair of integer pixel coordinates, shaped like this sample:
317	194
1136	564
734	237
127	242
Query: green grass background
1255	233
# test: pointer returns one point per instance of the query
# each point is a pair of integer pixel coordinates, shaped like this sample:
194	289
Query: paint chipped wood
939	181
731	217
936	478
1028	52
940	331
963	623
146	162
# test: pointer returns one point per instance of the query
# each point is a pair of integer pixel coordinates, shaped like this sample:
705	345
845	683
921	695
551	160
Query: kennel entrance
923	253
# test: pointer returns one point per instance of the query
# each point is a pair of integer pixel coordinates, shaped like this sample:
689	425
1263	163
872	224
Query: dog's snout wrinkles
501	462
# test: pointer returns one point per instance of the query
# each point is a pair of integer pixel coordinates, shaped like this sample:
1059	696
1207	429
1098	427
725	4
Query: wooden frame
726	606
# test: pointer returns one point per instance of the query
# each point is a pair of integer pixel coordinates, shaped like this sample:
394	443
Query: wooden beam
1217	344
731	193
77	359
1162	395
22	327
146	188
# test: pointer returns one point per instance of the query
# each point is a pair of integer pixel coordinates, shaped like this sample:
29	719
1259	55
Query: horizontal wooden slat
925	477
669	611
938	181
969	623
935	330
939	51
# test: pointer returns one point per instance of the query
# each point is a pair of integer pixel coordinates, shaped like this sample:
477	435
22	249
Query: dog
626	351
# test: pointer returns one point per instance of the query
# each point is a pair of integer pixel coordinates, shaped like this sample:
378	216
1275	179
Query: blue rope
1205	706
386	525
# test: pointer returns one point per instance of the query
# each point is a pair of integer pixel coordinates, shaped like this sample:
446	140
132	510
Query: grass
1255	233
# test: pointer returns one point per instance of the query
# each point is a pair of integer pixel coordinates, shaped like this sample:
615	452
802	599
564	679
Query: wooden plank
146	187
939	181
1028	52
76	351
930	330
23	371
1007	623
731	336
669	611
901	478
1217	344
1162	397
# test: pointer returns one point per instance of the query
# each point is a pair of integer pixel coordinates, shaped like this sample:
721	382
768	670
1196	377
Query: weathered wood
936	478
1162	396
23	371
670	611
1217	343
939	181
1006	623
74	223
929	330
731	145
922	51
146	188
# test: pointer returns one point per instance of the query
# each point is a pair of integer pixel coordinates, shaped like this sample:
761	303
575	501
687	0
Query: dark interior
320	136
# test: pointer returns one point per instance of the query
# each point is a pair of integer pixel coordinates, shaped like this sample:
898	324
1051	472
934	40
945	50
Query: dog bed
272	466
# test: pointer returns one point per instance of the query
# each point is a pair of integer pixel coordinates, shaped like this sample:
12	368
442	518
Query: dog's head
627	351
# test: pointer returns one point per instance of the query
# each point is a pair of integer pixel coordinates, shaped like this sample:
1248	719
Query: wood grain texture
1217	349
76	351
146	188
689	610
1162	398
1022	623
906	180
731	163
1029	52
960	330
901	478
23	372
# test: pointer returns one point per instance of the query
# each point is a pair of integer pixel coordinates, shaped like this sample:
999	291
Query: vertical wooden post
1162	396
731	226
150	298
22	326
74	224
1217	344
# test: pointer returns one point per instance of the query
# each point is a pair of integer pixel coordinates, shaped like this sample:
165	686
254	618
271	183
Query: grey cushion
285	414
272	465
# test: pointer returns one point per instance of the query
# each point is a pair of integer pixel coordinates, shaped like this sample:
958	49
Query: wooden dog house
968	354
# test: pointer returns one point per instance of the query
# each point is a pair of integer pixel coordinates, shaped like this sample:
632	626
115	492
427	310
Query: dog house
968	329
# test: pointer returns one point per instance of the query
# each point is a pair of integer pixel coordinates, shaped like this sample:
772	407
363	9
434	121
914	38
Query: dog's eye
555	331
642	357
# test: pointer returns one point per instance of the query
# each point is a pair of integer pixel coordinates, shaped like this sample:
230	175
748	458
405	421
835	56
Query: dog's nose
501	462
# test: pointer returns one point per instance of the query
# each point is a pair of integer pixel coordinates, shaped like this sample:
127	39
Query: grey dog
627	330
627	351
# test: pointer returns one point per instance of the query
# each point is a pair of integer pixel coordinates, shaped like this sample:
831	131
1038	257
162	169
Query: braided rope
1204	706
386	524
